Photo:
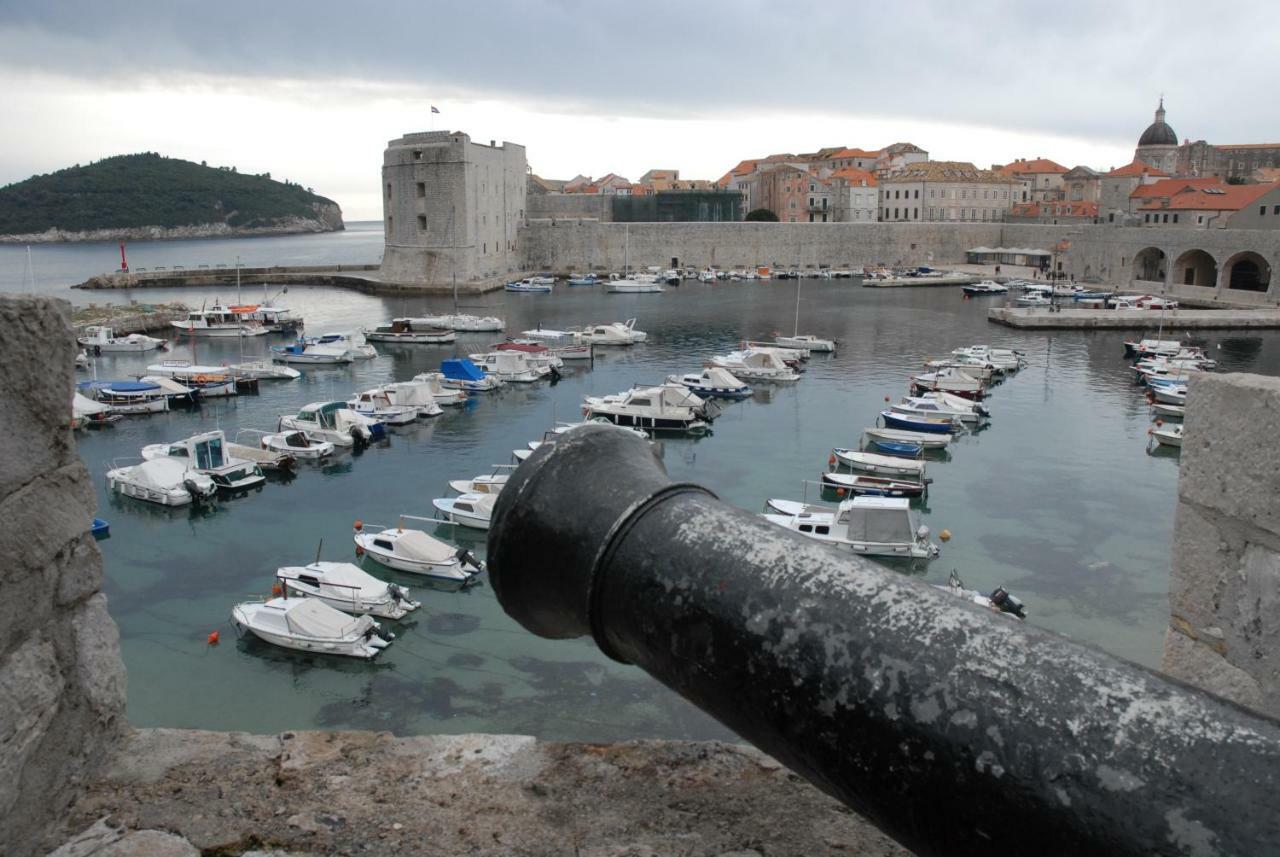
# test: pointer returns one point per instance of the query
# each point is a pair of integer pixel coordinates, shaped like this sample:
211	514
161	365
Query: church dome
1158	133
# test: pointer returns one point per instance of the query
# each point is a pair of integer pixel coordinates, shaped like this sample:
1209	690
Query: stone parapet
1224	588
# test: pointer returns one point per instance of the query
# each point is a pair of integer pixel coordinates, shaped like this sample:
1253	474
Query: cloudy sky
311	91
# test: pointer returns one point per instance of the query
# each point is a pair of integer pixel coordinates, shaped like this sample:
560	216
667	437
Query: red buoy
213	638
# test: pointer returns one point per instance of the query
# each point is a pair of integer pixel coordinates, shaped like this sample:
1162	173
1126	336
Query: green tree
762	215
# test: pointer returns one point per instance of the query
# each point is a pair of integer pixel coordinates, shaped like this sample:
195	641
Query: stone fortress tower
1158	145
451	208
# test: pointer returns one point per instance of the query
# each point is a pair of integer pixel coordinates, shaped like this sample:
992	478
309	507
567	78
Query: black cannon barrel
955	730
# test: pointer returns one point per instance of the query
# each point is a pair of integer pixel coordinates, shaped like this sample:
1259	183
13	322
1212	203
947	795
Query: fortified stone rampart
62	684
570	205
1224	587
591	245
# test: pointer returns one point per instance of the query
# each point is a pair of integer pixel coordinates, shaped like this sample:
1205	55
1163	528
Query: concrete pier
362	278
1038	318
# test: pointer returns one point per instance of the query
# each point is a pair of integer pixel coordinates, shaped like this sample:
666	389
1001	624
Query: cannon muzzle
955	730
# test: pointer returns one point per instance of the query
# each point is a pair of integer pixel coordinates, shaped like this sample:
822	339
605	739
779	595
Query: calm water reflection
1057	500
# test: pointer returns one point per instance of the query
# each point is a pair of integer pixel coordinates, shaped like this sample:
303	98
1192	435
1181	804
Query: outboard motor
555	374
396	592
1007	603
466	557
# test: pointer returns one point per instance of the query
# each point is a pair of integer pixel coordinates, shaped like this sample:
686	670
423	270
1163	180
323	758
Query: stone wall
1224	587
572	205
62	683
583	245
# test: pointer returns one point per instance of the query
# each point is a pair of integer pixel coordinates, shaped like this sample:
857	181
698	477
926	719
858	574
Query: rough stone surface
61	678
364	792
1224	587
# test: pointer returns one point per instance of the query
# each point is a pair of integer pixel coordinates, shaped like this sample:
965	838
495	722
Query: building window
932	192
963	193
1166	218
388	191
1275	209
422	222
917	193
791	220
1262	211
1199	218
895	214
811	187
1175	218
417	154
422	190
811	202
485	246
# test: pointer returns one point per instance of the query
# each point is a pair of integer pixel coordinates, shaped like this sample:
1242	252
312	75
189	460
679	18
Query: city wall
1224	587
569	205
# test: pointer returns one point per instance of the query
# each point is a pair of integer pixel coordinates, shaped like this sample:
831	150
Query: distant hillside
150	196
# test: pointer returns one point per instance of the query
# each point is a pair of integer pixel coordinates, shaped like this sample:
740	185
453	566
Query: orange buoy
832	459
945	535
1159	423
839	492
276	590
358	525
213	638
359	550
886	398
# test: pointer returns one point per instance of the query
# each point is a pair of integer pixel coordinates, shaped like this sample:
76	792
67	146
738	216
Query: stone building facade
947	191
1158	147
451	208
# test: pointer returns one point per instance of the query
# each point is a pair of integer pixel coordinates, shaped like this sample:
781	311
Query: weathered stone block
1198	664
35	386
30	687
1230	461
99	670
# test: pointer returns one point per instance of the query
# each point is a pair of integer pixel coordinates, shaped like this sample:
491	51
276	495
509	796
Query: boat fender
831	460
213	638
359	550
840	492
358	525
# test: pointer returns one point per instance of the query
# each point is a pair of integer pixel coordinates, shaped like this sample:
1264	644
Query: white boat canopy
313	618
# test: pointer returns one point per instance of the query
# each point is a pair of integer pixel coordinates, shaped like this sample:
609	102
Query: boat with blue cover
713	382
127	397
931	425
928	440
904	450
461	374
100	529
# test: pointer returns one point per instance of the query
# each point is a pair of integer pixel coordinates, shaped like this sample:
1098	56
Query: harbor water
1057	499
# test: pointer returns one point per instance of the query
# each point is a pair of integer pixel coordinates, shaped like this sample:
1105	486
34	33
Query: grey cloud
1090	69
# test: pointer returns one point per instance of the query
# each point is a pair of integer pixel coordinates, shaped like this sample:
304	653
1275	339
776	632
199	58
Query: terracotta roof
1226	197
1168	187
854	176
855	153
946	171
1035	166
1134	169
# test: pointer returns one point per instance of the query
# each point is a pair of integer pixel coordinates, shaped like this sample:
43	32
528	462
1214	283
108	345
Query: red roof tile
1035	165
1224	197
1134	169
855	176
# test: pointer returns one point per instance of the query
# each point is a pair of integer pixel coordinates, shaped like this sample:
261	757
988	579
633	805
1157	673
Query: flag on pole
434	109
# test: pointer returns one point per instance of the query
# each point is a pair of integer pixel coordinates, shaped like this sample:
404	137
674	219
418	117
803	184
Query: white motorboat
950	380
536	354
297	444
485	483
467	510
806	342
101	340
415	552
872	526
82	359
165	481
922	406
713	382
209	382
460	322
348	588
263	370
510	367
971	366
1168	435
1004	359
377	404
311	351
669	407
330	421
927	440
206	453
614	333
353	342
1167	411
531	284
636	284
426	392
1153	347
756	364
310	625
275	319
461	374
87	412
403	330
1031	300
267	459
218	321
880	465
130	397
1170	394
985	287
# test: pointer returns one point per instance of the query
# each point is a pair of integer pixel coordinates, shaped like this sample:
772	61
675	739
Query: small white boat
267	459
880	465
415	552
1153	347
1170	394
82	360
403	330
461	322
311	351
986	287
219	321
377	404
467	510
921	406
353	342
614	333
101	340
263	370
461	374
871	526
669	407
1003	359
999	601
330	421
1033	300
1166	410
348	588
209	382
297	444
485	483
510	367
310	625
757	364
951	380
928	440
131	397
806	342
206	453
974	368
87	412
165	481
426	392
1169	435
530	284
636	284
713	382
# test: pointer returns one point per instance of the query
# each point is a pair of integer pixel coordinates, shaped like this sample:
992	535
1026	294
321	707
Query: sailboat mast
31	269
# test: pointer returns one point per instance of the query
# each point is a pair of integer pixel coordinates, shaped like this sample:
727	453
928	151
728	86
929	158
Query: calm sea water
1058	499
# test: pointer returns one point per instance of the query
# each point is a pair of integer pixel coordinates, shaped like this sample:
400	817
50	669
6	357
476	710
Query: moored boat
415	552
310	625
713	382
881	465
871	526
928	440
668	407
872	486
102	340
467	510
206	454
164	481
348	588
403	330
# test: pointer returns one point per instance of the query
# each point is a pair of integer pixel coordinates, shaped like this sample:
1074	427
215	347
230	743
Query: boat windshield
209	454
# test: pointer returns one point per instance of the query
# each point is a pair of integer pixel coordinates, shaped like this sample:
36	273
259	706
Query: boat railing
356	601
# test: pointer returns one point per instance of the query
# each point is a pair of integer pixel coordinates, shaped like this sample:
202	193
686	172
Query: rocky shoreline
287	226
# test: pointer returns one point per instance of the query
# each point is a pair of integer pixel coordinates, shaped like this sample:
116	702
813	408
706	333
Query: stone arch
1150	264
1195	268
1248	271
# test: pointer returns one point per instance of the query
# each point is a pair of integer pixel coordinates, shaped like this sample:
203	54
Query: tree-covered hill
129	191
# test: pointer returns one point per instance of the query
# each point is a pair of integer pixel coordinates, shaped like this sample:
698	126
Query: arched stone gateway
1150	264
1248	271
1195	268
